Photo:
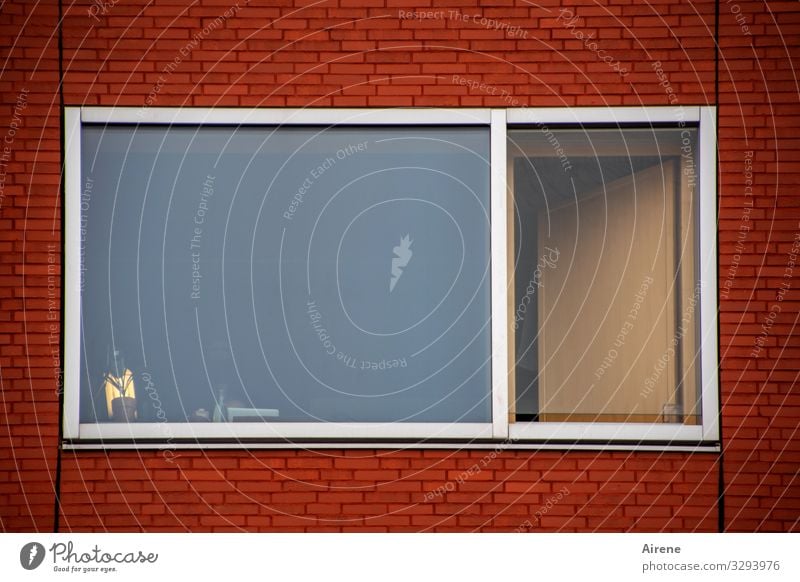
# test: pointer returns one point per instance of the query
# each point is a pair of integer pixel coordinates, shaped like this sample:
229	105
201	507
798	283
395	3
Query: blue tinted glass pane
288	274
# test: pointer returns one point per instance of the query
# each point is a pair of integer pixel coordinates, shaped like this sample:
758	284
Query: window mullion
499	275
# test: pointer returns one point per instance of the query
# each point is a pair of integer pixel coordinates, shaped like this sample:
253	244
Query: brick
384	62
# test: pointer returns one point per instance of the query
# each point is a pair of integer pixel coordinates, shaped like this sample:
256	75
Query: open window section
263	274
605	321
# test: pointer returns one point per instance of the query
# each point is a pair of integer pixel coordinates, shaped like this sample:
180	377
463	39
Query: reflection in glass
301	274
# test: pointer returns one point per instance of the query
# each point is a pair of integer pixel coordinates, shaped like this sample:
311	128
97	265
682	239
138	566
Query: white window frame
499	429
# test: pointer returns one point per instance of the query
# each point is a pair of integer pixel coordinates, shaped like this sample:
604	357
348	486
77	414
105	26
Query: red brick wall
359	53
339	490
29	211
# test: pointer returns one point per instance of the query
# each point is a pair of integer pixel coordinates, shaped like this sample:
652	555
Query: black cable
57	488
721	463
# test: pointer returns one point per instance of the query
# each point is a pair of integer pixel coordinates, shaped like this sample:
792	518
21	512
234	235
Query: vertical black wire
721	461
61	387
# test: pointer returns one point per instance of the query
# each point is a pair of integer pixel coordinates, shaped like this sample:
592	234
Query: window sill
521	436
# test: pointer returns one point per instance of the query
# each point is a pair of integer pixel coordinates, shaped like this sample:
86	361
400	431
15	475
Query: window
542	275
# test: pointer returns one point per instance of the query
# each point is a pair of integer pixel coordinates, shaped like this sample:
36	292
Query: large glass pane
285	274
605	293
